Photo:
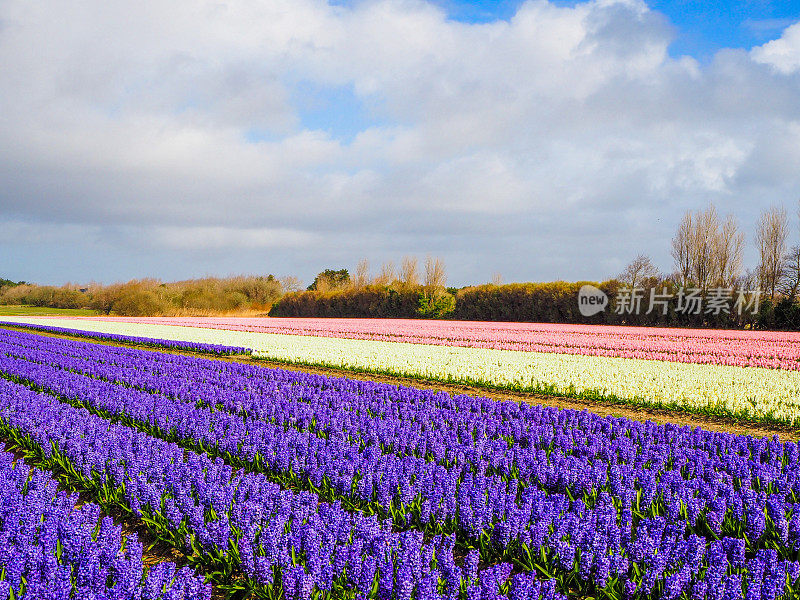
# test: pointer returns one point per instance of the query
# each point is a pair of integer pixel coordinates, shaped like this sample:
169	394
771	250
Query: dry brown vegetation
392	292
199	297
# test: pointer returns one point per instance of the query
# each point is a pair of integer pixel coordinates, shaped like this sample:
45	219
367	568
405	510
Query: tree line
407	291
708	252
708	257
708	266
708	286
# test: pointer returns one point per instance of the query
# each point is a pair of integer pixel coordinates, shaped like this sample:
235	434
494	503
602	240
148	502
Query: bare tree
409	271
290	283
771	233
682	248
435	274
727	251
497	279
387	274
638	270
362	274
789	284
706	226
747	280
706	251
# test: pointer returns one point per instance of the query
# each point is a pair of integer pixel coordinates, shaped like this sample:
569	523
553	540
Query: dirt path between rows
639	413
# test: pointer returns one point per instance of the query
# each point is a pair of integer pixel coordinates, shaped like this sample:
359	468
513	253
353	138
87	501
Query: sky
536	140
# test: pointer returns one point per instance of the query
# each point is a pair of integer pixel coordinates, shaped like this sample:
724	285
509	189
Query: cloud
784	53
510	146
205	238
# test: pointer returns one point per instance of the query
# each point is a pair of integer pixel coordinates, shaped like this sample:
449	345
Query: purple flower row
729	482
406	421
214	349
51	550
282	539
594	543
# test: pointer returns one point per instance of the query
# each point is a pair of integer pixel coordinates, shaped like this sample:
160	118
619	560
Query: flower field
51	549
777	350
770	394
282	484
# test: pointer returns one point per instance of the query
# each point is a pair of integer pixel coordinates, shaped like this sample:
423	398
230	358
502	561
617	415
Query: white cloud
562	121
784	53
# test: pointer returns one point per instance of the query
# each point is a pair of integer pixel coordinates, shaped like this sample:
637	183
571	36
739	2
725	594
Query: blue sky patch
703	26
335	110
